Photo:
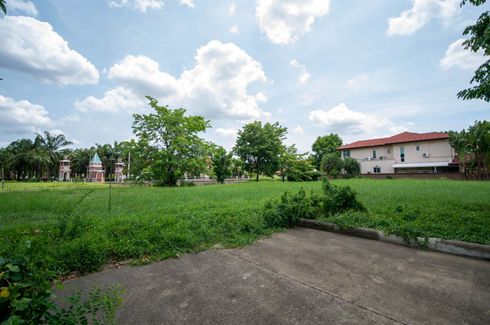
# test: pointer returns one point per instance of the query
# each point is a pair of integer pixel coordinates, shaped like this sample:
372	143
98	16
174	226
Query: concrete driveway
304	276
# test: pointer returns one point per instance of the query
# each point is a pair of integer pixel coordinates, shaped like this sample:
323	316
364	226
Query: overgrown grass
147	224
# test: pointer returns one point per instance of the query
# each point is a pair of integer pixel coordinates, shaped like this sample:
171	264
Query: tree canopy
259	146
325	145
175	136
479	39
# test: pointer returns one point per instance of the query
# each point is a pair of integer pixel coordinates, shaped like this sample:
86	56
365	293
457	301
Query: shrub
339	199
26	294
351	167
290	208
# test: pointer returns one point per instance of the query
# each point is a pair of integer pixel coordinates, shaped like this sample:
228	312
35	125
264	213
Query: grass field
27	186
75	228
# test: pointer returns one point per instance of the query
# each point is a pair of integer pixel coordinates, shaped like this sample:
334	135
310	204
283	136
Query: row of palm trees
33	159
38	159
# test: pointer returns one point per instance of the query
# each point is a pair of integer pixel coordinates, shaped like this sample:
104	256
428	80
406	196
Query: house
406	152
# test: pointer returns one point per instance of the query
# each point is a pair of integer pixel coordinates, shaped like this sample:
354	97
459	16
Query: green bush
338	199
26	294
290	208
286	211
352	167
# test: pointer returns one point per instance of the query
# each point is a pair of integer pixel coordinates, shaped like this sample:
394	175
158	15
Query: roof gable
95	160
397	138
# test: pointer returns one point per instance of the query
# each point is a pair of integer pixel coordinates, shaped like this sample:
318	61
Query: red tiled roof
398	138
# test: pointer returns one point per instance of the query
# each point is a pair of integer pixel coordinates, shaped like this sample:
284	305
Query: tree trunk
257	176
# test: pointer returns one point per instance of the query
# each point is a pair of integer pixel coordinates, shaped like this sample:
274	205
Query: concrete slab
304	276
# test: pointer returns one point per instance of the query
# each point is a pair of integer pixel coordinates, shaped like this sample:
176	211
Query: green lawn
26	186
75	228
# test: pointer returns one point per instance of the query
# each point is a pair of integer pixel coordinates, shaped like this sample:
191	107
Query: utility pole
129	165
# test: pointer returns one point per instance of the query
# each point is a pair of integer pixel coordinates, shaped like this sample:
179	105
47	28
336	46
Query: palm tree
52	145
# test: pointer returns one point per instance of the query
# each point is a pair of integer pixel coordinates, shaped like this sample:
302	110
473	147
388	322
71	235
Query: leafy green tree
259	146
473	149
331	164
51	144
325	145
174	135
221	164
287	158
479	39
352	167
236	167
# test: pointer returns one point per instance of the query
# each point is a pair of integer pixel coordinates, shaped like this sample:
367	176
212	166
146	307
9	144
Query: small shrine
65	170
119	171
95	171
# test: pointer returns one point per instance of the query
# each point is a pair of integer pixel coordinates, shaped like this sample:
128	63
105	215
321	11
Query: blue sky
358	68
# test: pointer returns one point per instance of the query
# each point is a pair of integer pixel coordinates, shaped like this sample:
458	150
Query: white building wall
386	156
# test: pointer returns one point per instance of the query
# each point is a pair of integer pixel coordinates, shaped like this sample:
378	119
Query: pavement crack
316	288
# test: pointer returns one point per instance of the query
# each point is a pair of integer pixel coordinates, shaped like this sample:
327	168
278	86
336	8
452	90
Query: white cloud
145	5
420	14
304	76
143	75
188	3
31	46
234	29
358	80
227	133
341	119
114	100
22	117
26	7
217	86
298	130
284	21
457	56
232	9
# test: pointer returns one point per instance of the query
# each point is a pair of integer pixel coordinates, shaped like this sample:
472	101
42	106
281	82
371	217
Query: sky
358	68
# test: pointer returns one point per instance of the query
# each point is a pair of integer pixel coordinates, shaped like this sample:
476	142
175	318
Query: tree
259	146
473	148
178	147
331	164
51	145
221	164
325	145
352	167
479	40
287	159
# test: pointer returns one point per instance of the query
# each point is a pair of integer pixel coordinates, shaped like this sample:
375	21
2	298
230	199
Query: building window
402	154
376	170
374	154
388	150
417	148
346	153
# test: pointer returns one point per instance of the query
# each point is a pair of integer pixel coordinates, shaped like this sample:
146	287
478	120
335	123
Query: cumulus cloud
145	5
188	3
284	21
357	80
232	9
304	75
234	29
22	117
114	100
227	133
26	7
341	119
217	86
420	14
33	47
457	56
298	130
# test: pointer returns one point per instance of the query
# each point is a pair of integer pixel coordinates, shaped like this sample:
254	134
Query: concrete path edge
454	247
